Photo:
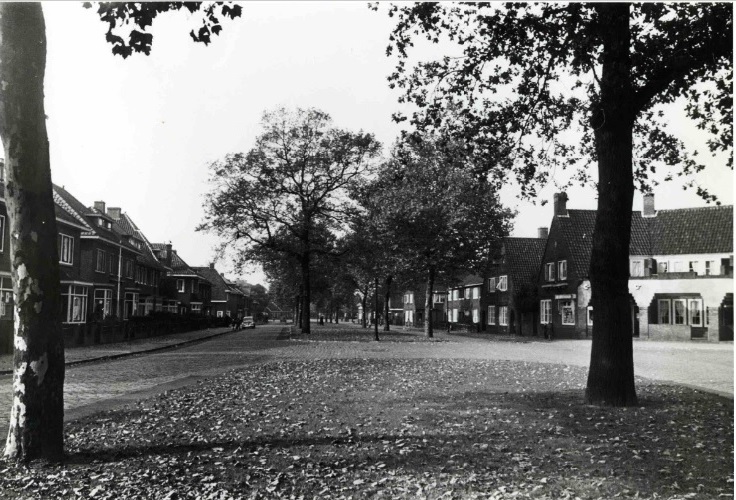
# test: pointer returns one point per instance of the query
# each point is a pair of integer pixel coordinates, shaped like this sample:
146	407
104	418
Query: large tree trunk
386	303
37	412
611	375
306	292
428	304
296	310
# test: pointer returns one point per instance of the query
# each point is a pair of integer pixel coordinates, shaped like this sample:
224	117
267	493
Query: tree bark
428	304
387	299
306	293
37	412
611	374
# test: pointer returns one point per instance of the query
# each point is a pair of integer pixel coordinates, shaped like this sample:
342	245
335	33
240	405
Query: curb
112	357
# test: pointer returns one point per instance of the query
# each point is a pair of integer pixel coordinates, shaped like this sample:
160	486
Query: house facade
509	295
681	272
226	299
463	303
192	292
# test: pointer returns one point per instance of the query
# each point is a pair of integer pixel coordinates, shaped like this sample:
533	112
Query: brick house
464	302
104	288
226	298
509	296
681	272
192	292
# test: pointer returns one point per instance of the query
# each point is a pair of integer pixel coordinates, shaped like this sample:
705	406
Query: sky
141	133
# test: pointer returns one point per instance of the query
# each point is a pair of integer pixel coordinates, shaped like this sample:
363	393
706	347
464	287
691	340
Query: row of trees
327	217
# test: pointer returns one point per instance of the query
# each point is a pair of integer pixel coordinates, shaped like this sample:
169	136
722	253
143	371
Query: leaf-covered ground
394	429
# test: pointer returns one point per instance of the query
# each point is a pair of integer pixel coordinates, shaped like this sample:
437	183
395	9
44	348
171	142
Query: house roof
178	266
683	231
523	256
220	287
147	256
700	230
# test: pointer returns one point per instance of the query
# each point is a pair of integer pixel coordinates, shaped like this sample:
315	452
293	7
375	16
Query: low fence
111	331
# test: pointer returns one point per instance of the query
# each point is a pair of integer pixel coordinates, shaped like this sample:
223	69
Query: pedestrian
321	320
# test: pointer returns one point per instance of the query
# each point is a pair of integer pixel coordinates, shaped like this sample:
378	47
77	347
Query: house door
725	319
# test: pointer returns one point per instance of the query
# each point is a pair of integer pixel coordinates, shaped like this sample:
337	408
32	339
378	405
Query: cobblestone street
93	386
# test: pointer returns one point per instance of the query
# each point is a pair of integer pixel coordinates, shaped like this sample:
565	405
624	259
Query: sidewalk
88	354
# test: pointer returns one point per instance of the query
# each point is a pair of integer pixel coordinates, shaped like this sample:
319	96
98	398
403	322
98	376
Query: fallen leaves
394	429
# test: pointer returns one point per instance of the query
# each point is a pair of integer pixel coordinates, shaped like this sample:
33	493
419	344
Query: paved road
91	387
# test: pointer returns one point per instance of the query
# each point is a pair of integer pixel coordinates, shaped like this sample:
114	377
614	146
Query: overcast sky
140	133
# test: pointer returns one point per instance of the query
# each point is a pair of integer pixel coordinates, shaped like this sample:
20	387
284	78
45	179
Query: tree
438	215
295	179
532	74
36	420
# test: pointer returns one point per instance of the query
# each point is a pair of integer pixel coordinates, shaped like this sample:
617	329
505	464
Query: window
145	306
111	267
491	284
103	303
2	228
663	311
454	316
503	283
708	267
196	308
636	268
460	293
131	305
503	315
103	223
74	304
475	292
439	298
677	266
476	316
679	307
227	313
100	267
408	298
180	285
590	315
567	311
549	271
562	270
66	249
693	266
545	312
219	314
662	267
6	299
129	268
491	315
696	312
455	294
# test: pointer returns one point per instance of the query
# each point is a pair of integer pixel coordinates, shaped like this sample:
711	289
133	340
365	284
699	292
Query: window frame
700	312
492	284
503	315
589	316
632	268
106	298
476	315
503	283
491	315
182	288
66	249
568	304
549	272
684	320
660	310
545	311
75	292
100	261
562	264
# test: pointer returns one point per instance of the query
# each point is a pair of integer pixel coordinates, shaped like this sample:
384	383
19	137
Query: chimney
560	204
168	254
542	233
212	265
648	210
100	205
114	212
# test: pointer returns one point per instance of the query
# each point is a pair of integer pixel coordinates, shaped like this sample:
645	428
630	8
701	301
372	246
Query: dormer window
104	223
135	243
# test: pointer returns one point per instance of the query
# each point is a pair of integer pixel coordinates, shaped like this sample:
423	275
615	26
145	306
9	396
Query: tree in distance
294	182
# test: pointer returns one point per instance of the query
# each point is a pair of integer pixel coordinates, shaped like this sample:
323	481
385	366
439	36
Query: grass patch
394	429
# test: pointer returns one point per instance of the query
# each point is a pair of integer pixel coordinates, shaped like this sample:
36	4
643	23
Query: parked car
248	322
